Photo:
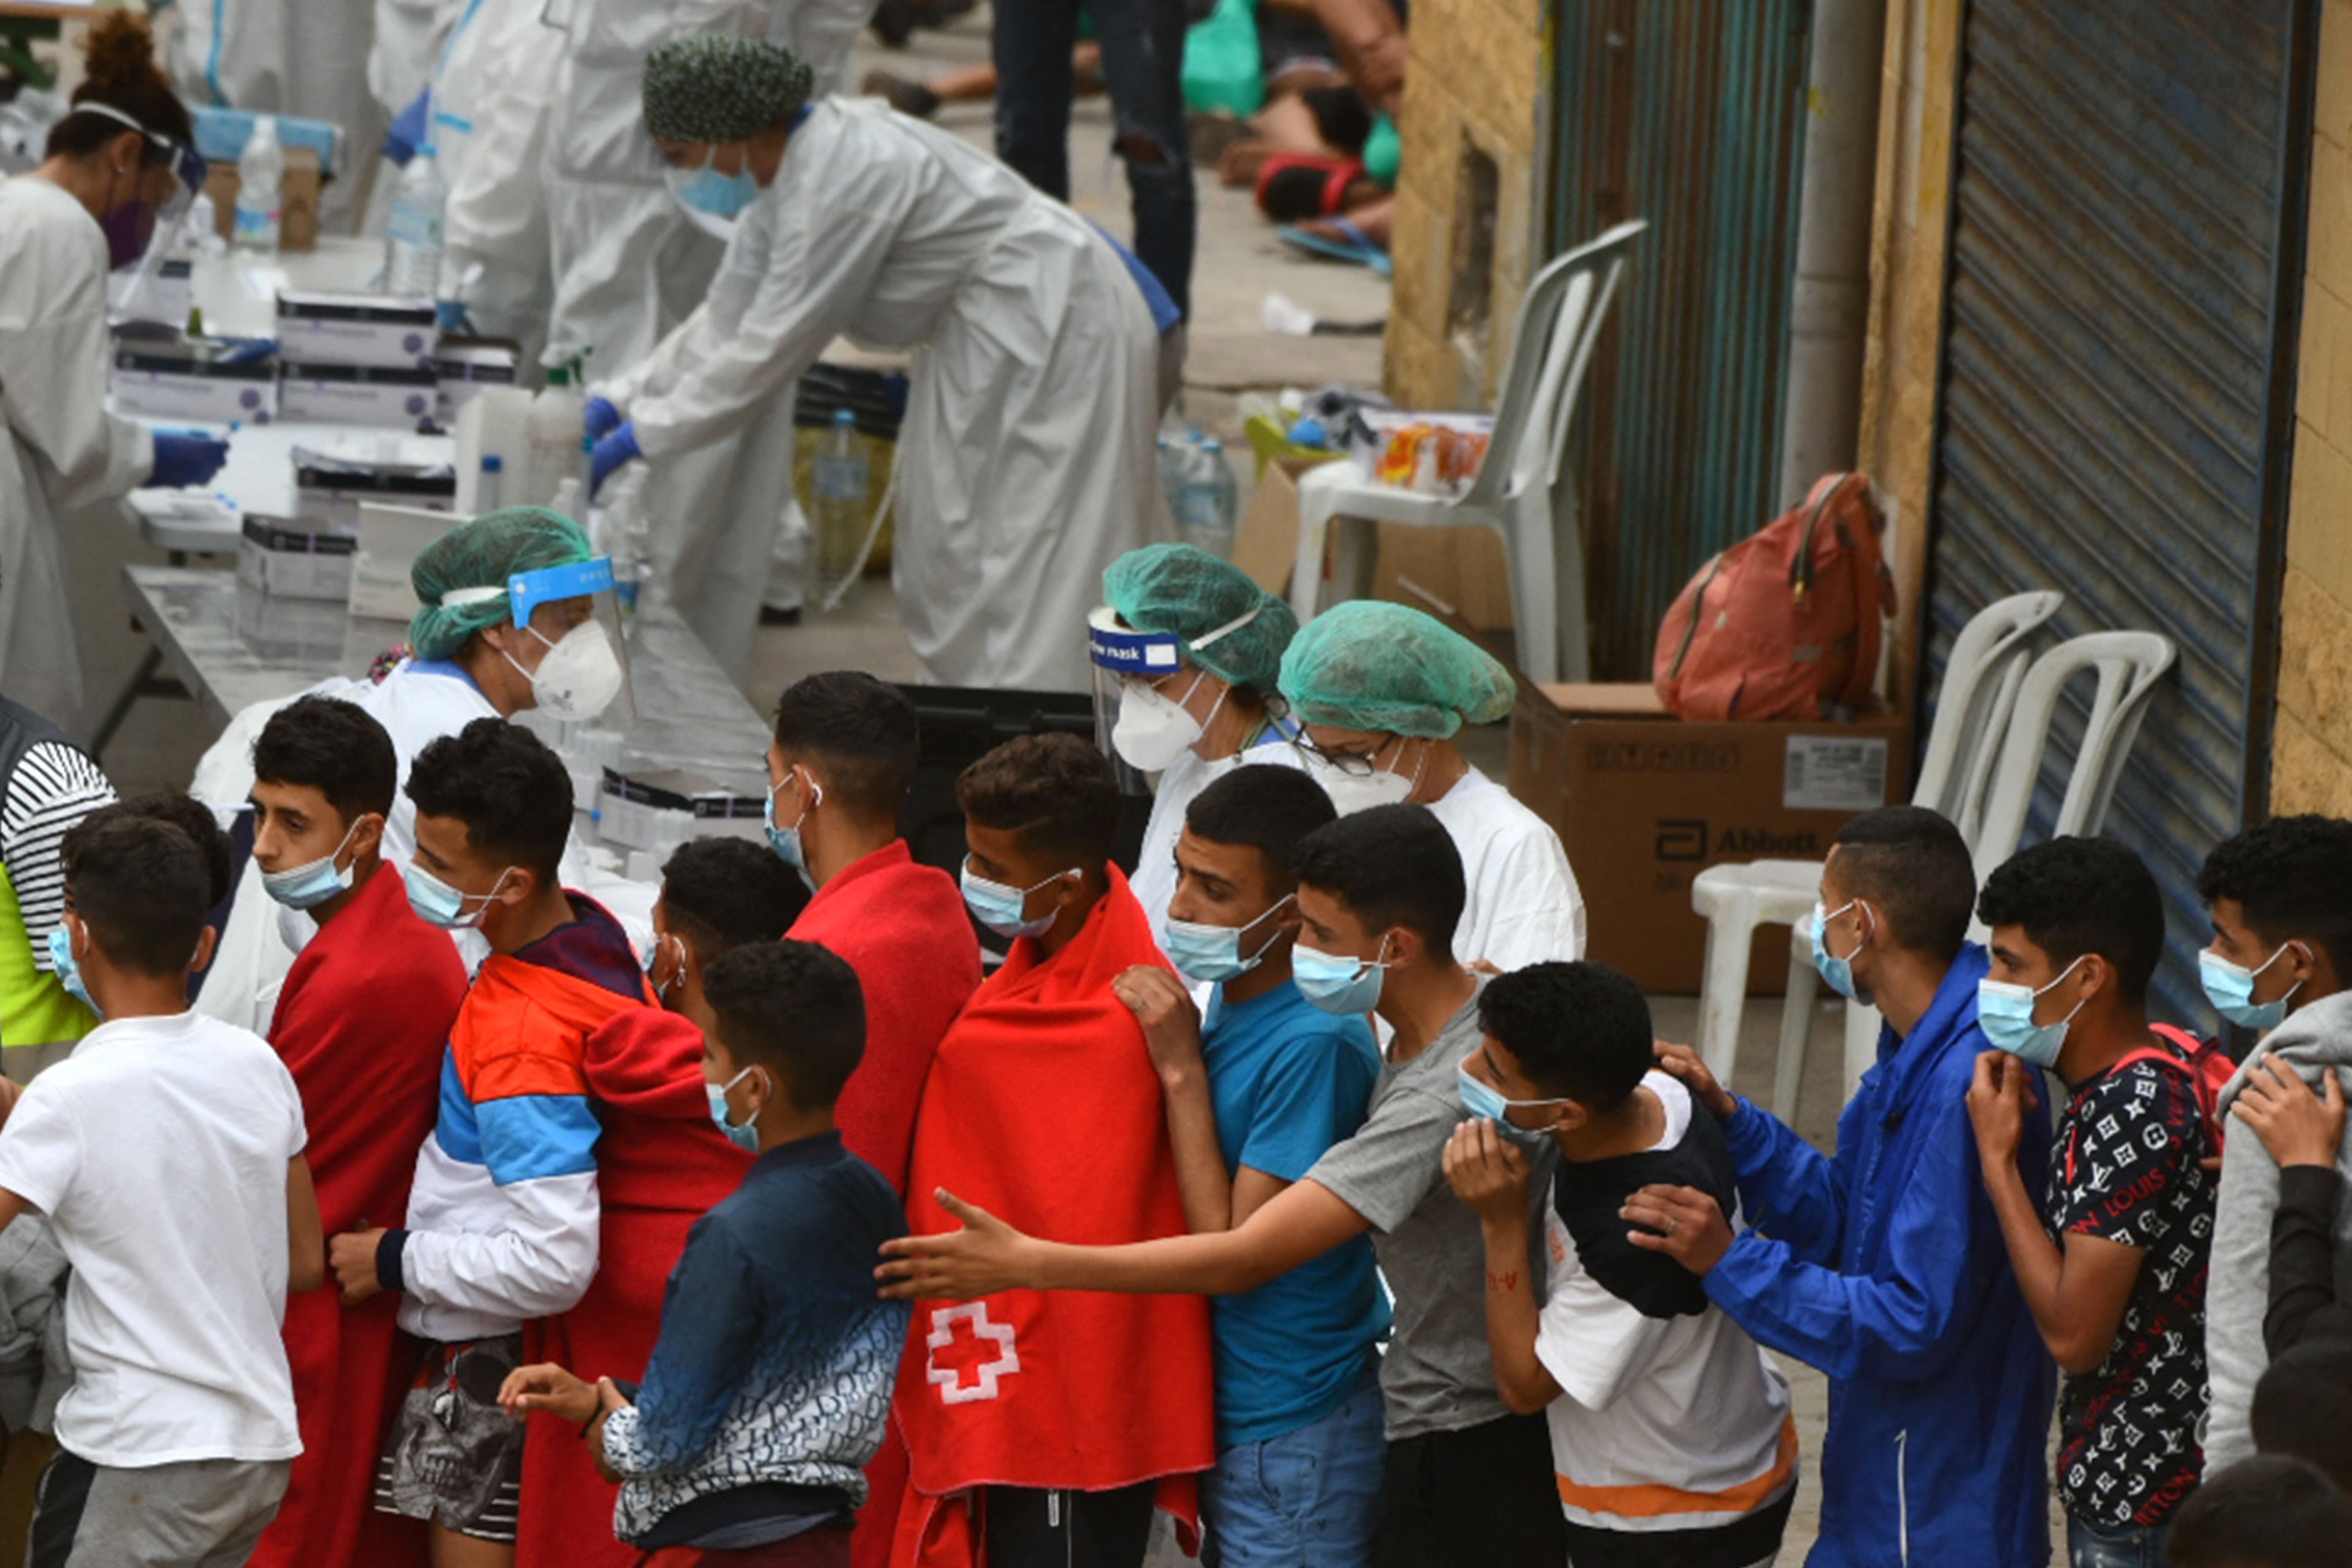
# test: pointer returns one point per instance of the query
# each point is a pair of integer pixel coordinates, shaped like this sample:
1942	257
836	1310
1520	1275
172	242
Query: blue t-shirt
1288	1081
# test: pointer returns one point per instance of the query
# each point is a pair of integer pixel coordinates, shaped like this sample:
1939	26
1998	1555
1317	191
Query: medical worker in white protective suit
111	167
302	58
1189	651
469	659
1026	460
1380	689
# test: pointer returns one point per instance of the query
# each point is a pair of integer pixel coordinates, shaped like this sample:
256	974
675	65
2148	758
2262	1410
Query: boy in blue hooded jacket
1883	1266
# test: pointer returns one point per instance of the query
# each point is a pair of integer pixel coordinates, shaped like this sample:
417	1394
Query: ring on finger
1672	1223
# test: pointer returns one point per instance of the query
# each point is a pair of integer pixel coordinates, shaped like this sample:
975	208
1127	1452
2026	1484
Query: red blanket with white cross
1044	1108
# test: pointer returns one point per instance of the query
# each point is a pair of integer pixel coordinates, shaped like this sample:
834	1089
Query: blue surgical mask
1213	953
1344	987
786	841
2231	988
651	958
1483	1100
706	193
1000	908
69	972
2005	1013
744	1138
307	887
1837	972
439	904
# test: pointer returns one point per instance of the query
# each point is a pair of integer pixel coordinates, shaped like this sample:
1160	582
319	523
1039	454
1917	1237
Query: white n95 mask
580	676
1153	728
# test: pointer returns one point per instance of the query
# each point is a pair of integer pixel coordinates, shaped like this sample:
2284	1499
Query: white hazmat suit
1026	458
63	450
492	94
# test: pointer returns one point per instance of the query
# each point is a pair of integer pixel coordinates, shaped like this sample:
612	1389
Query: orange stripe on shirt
1661	1501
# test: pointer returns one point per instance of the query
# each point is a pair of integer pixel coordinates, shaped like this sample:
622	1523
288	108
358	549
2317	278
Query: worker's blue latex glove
408	129
602	419
183	459
617	448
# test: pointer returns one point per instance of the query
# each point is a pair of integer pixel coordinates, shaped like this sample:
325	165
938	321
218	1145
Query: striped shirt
52	789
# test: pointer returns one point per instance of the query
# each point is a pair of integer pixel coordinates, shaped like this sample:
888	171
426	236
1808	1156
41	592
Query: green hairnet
483	554
1187	594
715	86
1367	665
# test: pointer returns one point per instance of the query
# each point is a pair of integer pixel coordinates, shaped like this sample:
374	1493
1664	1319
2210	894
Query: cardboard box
327	496
1458	571
289	565
1266	544
357	395
383	331
1644	802
163	385
298	199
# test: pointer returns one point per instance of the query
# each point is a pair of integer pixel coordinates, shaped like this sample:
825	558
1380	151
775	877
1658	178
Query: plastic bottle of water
260	182
845	484
412	258
628	538
485	489
1201	491
551	433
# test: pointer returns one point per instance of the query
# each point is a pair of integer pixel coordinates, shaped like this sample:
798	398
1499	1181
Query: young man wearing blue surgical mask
363	1021
1380	897
516	1212
1884	1265
2112	1256
1298	1397
2280	896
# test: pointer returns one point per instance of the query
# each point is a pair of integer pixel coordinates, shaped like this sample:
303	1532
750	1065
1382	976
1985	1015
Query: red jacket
1044	1108
902	927
363	1023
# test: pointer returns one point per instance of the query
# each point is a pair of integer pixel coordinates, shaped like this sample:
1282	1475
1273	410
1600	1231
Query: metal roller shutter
2117	380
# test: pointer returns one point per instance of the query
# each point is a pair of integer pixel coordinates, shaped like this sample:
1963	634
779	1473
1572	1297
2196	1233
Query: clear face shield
574	611
139	238
1138	674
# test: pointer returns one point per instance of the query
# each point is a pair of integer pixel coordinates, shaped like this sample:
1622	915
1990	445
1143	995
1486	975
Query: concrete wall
1479	78
2311	759
1917	102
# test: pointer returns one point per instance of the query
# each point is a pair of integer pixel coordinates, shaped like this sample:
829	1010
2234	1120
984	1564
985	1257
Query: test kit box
376	395
655	812
289	565
327	497
1645	801
466	365
319	328
151	385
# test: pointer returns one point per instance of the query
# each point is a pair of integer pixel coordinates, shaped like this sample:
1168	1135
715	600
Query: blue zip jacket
1884	1267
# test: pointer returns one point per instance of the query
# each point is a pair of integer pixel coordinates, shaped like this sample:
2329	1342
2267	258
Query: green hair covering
1386	669
716	87
1186	593
483	554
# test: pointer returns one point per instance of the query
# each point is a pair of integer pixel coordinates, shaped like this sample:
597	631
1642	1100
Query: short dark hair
2073	895
1392	866
1053	793
511	791
139	883
2299	1406
719	894
865	731
2293	876
1912	867
193	818
1578	1029
794	1009
334	747
2269	1512
1266	806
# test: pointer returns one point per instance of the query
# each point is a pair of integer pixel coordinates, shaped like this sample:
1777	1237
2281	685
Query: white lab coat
1026	459
1154	882
1523	905
63	450
492	95
304	57
408	35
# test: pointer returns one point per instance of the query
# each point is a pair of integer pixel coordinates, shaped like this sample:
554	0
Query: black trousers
1485	1495
1028	1528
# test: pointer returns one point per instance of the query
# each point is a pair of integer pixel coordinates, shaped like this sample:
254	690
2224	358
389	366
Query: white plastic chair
1981	681
1559	322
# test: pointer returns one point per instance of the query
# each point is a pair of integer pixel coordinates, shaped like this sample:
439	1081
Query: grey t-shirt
1438	1374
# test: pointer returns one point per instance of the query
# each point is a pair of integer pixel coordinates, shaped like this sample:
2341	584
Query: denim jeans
2092	1545
1142	58
1308	1499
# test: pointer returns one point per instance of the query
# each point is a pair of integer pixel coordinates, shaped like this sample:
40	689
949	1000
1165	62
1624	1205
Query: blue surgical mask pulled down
1213	953
785	842
2231	988
1344	987
1837	972
2005	1013
744	1138
307	886
69	972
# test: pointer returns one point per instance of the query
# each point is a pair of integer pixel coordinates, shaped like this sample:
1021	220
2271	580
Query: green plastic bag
1224	72
1383	154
